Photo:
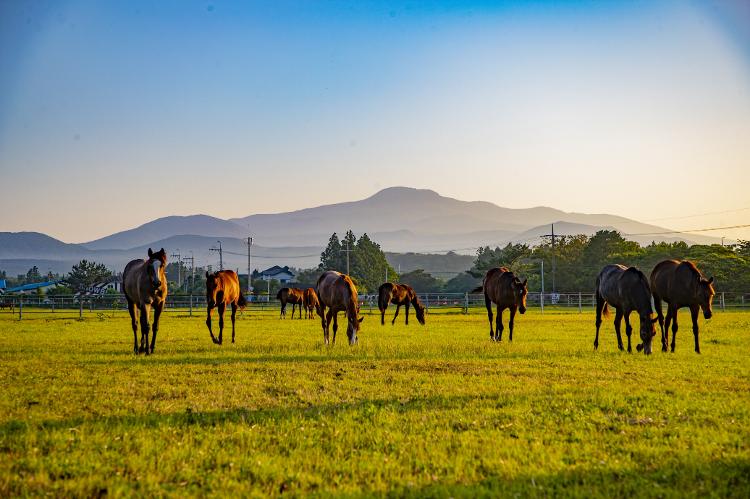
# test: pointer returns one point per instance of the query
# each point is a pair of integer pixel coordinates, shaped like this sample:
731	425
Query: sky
116	113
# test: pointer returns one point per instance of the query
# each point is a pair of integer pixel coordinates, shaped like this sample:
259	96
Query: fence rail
69	305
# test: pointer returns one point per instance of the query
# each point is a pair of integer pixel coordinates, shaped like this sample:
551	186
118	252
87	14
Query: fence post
191	304
80	309
20	309
466	303
52	301
427	301
580	311
541	301
722	301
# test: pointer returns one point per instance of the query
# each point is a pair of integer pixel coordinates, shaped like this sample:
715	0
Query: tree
421	281
33	275
86	273
509	256
369	265
330	258
462	283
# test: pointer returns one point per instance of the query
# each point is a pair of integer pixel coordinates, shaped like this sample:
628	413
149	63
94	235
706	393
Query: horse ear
161	250
711	280
150	253
525	281
361	319
207	274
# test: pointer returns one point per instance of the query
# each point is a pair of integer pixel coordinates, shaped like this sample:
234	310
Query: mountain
401	219
166	227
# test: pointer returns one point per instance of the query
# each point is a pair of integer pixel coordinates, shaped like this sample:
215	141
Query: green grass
436	410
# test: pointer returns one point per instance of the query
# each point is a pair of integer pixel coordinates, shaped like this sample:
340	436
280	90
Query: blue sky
115	113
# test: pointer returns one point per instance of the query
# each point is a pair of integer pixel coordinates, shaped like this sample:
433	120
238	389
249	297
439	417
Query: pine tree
330	258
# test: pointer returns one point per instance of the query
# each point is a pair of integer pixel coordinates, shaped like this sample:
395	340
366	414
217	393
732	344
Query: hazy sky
115	113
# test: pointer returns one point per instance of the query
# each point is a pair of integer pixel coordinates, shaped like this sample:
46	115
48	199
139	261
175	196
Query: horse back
131	279
497	285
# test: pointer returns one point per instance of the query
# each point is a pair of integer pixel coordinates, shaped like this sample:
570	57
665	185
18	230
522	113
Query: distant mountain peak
401	191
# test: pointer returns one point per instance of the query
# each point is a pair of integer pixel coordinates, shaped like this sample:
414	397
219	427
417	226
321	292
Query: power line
689	231
698	215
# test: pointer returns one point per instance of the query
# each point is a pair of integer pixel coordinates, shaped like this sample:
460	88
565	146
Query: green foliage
33	275
59	290
367	262
462	283
433	411
579	259
421	281
85	273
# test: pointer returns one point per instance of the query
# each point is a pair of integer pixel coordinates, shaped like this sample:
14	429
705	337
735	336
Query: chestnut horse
311	303
295	296
627	290
337	292
399	294
222	289
680	284
145	285
501	286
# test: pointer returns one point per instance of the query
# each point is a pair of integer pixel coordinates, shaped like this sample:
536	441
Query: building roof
2	284
33	285
276	270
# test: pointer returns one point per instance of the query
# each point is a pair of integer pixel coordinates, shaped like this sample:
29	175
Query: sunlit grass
436	410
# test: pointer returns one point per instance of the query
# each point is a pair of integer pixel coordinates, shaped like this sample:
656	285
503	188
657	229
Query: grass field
436	410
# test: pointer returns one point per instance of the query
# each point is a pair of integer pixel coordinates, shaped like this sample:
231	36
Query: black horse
627	290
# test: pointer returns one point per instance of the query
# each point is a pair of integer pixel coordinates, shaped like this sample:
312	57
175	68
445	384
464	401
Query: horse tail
479	289
605	310
384	295
241	300
278	295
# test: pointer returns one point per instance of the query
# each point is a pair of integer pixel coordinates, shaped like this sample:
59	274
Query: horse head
706	294
213	286
157	262
520	290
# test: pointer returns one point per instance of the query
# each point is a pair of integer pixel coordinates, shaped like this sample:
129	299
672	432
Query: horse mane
691	266
353	299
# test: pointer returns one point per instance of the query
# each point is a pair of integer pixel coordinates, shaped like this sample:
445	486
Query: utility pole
554	258
179	267
347	251
249	268
221	255
192	279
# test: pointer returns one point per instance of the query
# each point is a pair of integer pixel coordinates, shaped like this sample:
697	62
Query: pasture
437	410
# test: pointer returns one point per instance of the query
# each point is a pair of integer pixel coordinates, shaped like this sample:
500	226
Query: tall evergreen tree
331	257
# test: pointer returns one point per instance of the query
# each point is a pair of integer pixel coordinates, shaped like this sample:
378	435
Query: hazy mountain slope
169	226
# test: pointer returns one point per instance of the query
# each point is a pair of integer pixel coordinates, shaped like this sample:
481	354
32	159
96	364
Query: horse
502	287
680	284
145	285
311	302
295	296
626	289
337	292
222	289
399	294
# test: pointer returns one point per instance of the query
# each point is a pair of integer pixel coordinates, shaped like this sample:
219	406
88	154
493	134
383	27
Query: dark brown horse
311	303
627	290
145	285
337	292
680	284
501	286
399	294
295	296
222	289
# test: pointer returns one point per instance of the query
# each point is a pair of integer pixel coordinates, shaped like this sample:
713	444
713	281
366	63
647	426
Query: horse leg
668	323
628	329
660	315
322	313
674	326
510	322
329	319
234	312
488	304
145	309
398	307
382	314
618	322
499	324
694	309
407	312
208	323
132	311
222	306
599	307
300	310
155	327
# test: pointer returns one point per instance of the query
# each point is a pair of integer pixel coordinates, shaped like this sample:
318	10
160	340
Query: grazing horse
337	292
222	289
680	284
501	286
627	290
311	302
295	296
145	285
399	294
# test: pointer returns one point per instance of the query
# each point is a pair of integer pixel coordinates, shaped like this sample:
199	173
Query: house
3	285
281	274
34	287
100	288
